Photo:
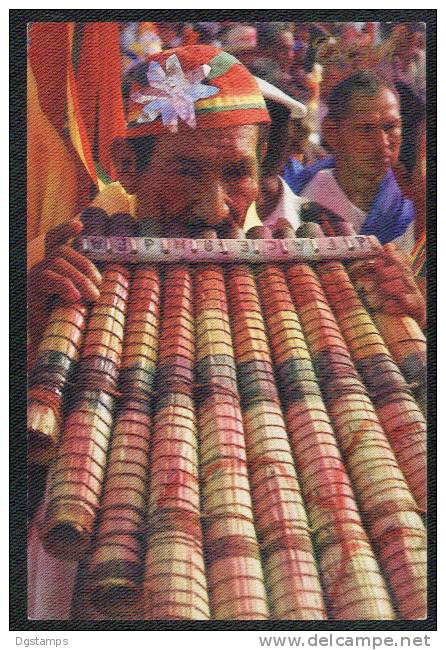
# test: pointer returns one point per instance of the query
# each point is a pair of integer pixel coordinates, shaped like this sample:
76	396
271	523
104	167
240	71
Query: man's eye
236	172
367	129
190	172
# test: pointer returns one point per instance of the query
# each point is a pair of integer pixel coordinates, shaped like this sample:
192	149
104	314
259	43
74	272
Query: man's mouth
196	228
228	229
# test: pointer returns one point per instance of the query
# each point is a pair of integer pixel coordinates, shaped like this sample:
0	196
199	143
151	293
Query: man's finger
391	272
82	264
374	299
390	247
395	254
61	234
87	289
396	287
359	268
54	283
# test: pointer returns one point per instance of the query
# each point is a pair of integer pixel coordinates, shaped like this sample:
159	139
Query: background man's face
285	53
368	139
208	176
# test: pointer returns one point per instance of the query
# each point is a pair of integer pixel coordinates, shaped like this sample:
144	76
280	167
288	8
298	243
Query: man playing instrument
197	130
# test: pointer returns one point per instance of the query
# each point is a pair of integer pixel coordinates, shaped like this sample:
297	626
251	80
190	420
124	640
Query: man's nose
212	206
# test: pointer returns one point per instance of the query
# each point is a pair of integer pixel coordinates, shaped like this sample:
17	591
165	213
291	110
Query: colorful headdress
193	87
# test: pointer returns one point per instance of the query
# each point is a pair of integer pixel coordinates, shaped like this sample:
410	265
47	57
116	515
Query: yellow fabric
75	123
114	198
252	218
51	177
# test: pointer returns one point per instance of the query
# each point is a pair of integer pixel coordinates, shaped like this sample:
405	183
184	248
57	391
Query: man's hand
388	285
64	273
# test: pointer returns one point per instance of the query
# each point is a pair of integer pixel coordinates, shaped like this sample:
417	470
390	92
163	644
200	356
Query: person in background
407	70
408	63
342	53
138	41
276	42
363	132
241	41
276	200
170	33
208	33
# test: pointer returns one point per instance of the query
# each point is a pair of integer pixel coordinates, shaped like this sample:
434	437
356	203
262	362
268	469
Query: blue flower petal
154	106
169	115
174	71
155	73
186	111
200	91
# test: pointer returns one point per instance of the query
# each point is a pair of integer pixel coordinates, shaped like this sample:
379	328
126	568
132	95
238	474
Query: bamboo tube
360	332
84	607
74	491
57	353
56	357
234	570
329	498
400	333
407	344
380	487
114	579
175	585
280	517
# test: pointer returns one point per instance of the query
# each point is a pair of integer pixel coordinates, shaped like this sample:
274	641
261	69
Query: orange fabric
50	61
87	78
76	127
144	27
48	56
99	89
190	36
58	183
51	175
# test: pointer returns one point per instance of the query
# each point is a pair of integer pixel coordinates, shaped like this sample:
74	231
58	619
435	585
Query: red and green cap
196	86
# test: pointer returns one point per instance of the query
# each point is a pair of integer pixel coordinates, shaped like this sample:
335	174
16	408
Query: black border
18	470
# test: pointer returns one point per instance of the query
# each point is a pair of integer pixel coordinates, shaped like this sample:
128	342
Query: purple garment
390	214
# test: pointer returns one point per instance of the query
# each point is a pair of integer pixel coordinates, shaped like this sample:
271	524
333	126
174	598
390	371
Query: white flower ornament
173	93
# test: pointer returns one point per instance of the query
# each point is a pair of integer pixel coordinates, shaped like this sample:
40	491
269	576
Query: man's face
203	176
285	52
367	141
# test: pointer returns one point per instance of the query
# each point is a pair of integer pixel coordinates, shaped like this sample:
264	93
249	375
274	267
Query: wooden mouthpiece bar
140	250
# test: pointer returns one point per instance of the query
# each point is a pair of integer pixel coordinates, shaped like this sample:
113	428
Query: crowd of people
308	61
345	103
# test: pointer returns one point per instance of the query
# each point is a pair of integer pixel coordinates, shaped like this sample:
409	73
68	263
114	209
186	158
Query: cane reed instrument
232	434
